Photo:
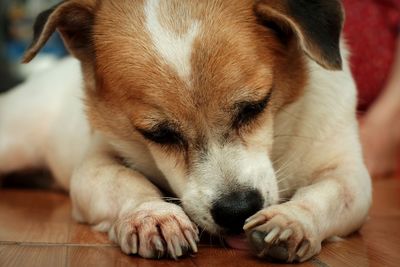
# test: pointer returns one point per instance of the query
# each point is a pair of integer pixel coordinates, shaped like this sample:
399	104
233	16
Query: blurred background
16	20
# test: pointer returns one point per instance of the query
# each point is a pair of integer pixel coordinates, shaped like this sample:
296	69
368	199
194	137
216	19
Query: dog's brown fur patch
235	58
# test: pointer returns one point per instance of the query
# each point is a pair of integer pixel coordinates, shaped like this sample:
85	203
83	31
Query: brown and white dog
244	110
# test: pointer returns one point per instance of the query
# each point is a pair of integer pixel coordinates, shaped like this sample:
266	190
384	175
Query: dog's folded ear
317	25
74	21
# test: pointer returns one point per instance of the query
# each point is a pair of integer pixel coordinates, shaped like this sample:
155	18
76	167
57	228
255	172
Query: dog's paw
156	230
283	232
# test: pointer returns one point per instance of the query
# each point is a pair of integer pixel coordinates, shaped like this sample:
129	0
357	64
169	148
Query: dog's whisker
282	179
167	199
283	199
285	190
294	157
171	198
288	160
286	166
279	160
201	233
222	242
210	240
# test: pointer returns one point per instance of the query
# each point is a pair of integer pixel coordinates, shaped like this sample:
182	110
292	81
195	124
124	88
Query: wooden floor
36	229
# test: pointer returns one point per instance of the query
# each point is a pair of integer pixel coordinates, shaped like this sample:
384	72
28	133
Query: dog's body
302	152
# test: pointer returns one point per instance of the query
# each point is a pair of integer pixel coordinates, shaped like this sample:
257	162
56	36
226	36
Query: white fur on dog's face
224	170
218	170
200	97
174	48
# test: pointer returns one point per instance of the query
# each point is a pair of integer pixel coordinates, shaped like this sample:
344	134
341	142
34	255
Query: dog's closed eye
163	134
249	111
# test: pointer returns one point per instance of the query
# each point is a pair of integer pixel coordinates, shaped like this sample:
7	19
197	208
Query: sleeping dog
242	110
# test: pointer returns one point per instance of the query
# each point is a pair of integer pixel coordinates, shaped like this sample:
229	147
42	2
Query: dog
243	112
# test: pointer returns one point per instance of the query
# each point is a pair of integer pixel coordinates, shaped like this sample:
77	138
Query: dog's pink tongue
237	242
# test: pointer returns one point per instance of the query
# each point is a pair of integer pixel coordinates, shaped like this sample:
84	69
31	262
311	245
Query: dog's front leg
122	202
335	204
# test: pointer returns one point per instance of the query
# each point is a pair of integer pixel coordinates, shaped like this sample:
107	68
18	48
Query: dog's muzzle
231	210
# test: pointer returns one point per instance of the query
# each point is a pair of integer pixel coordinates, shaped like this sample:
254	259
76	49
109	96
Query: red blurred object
371	30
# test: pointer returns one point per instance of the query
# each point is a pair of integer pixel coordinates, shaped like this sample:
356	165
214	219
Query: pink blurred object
237	242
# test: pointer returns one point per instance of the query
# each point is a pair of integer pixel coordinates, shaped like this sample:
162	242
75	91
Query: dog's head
197	84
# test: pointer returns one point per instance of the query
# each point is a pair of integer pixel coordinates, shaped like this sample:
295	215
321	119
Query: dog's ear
74	21
317	25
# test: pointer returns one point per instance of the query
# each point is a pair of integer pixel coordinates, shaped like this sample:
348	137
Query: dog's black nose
231	211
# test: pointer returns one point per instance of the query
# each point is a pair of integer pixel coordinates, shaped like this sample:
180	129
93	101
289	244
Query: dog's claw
285	234
303	249
177	246
271	236
174	248
157	241
125	244
171	250
134	244
191	240
253	221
